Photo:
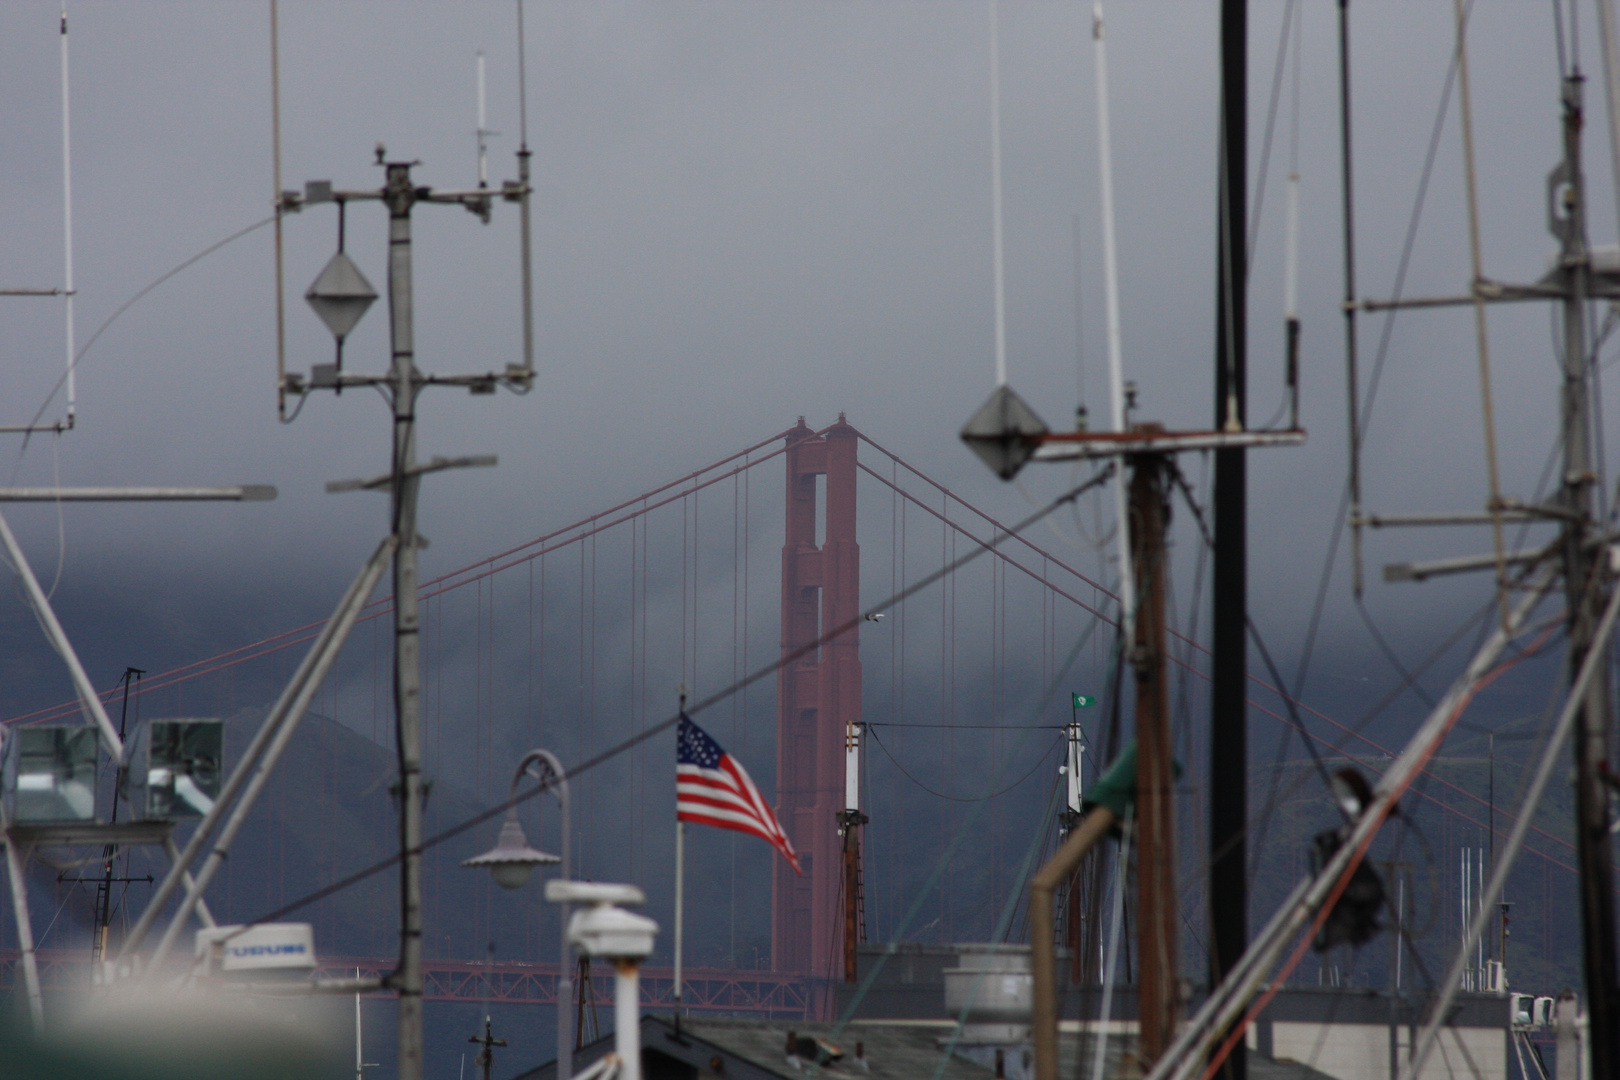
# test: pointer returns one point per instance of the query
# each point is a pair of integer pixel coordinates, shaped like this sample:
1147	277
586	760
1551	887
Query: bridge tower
818	697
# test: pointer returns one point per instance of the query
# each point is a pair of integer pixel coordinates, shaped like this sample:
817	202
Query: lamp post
511	863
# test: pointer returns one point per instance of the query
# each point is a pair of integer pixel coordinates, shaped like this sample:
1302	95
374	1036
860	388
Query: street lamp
511	863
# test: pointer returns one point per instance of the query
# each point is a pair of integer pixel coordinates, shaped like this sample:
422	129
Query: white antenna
995	193
1291	254
1105	166
67	219
483	130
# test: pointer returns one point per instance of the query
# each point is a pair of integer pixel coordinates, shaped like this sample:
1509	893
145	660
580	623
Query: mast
1159	994
1586	588
1229	756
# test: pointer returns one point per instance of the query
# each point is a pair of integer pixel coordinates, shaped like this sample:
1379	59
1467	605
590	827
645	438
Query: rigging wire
1361	417
1289	16
127	304
713	699
1295	722
1481	331
977	798
1020	882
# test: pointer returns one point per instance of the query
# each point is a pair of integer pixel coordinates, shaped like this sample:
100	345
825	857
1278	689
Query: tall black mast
1229	749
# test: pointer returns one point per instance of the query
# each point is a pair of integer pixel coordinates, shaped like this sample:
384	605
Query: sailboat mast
1159	974
1587	586
1229	753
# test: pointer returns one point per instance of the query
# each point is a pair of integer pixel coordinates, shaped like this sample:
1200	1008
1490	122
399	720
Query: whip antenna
67	220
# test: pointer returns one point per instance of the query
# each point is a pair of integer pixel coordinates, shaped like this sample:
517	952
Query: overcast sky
744	212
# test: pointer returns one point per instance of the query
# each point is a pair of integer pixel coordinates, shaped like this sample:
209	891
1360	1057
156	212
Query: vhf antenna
66	289
341	295
484	131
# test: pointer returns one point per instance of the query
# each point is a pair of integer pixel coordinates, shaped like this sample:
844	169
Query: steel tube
239	493
173	853
1187	1055
25	932
1092	828
250	756
1595	658
565	985
59	640
627	1018
406	483
272	754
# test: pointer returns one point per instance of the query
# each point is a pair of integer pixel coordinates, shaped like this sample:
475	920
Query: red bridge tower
818	697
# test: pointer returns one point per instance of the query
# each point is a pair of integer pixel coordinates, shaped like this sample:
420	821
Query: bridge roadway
728	990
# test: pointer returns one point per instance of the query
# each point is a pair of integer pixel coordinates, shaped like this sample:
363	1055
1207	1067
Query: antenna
524	185
995	193
281	203
67	220
1105	168
64	290
483	129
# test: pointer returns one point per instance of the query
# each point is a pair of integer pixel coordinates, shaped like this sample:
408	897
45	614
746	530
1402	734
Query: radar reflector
341	295
1003	432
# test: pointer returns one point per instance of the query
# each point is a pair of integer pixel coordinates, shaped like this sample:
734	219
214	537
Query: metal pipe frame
1594	660
405	485
1187	1055
1462	564
554	777
88	697
16	859
272	754
354	597
1392	521
206	916
1073	446
239	493
1092	828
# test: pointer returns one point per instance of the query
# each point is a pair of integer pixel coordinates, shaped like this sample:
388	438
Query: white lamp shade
511	861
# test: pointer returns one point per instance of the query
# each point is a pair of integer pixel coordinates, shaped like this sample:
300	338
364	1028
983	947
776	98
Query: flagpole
680	912
680	886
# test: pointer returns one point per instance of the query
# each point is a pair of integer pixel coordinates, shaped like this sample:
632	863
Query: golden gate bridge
588	606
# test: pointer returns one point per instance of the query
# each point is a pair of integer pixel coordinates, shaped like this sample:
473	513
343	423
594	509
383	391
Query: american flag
712	788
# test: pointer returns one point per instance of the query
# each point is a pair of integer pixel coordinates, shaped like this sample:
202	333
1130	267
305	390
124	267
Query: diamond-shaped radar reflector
340	295
1001	432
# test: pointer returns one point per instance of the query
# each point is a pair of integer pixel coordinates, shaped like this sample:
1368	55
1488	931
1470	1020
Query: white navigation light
49	774
340	295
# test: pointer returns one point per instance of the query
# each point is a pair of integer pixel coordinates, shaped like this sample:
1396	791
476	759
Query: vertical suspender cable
1352	378
67	221
1481	336
1105	167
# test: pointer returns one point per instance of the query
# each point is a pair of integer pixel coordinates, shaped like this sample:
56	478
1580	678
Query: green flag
1082	700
